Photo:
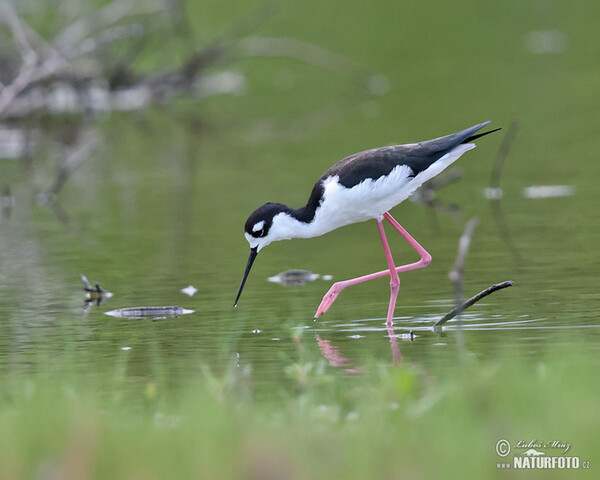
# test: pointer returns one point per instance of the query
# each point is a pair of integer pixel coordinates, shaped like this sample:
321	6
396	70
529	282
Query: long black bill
253	253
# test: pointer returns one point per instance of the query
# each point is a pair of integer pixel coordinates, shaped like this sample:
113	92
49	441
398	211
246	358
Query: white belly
365	201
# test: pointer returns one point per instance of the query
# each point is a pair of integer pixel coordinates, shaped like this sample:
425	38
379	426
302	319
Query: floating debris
410	336
95	293
548	191
156	313
189	291
126	348
291	278
493	193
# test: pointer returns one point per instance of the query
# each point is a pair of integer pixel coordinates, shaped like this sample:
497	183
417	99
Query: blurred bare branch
495	193
426	195
73	158
503	150
456	276
12	20
72	74
316	56
56	60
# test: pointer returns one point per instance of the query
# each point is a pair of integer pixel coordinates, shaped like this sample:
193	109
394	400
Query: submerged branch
474	299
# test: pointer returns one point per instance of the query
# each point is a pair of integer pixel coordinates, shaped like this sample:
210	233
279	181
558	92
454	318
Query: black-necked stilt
360	187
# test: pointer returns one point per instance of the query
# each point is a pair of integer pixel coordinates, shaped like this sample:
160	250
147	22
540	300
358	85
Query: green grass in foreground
396	422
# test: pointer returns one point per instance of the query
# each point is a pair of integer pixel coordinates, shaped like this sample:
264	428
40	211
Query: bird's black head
260	232
259	223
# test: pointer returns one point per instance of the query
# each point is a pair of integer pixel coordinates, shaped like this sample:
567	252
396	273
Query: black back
381	161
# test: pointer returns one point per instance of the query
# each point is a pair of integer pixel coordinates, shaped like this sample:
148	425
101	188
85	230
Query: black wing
381	161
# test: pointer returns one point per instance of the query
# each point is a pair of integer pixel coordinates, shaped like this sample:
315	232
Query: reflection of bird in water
360	187
333	356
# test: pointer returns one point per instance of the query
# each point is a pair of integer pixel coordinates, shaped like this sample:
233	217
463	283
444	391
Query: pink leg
394	279
337	287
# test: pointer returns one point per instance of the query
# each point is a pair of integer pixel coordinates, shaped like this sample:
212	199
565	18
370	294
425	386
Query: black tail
474	137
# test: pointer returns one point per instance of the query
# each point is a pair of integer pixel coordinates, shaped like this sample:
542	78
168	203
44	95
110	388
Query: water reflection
469	322
93	293
291	278
333	337
333	356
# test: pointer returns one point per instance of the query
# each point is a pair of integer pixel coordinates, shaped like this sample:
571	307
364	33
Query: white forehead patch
258	226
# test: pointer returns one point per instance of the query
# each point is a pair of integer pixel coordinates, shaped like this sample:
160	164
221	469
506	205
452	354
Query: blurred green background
148	200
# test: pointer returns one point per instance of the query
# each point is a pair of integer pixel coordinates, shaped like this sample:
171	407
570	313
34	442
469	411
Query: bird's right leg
337	287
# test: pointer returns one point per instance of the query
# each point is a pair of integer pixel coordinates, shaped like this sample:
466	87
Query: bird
361	187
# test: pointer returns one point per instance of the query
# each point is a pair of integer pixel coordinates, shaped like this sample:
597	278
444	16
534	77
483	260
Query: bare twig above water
456	274
474	299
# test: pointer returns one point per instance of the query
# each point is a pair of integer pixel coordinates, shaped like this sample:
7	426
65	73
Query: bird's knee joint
426	259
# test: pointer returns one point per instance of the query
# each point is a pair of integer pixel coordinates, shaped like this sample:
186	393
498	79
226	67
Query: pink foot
329	298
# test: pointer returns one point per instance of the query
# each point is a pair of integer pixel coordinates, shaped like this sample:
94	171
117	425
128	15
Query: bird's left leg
337	287
424	254
394	279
